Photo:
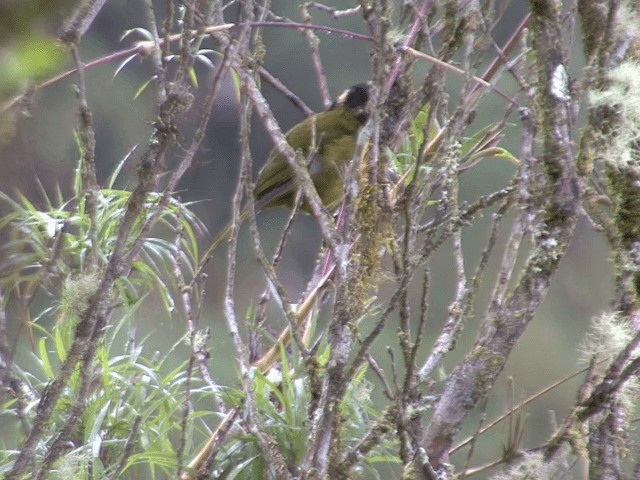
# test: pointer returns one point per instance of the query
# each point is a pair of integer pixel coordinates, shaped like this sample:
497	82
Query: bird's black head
356	99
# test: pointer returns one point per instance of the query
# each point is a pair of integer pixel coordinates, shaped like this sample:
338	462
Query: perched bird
328	140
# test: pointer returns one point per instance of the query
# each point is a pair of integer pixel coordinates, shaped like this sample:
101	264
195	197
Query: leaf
202	57
236	83
93	435
143	87
492	152
193	77
43	356
143	32
118	167
480	138
61	348
123	64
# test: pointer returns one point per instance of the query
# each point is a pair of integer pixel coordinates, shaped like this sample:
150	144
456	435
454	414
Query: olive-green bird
333	135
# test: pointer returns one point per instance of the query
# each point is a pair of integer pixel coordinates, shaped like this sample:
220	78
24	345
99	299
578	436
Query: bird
328	140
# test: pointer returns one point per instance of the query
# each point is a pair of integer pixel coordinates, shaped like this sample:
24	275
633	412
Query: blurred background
40	145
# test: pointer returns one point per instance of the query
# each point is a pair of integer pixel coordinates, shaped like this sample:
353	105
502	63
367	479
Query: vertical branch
89	187
355	275
80	20
10	384
191	324
242	353
63	441
91	325
87	141
158	53
314	45
472	379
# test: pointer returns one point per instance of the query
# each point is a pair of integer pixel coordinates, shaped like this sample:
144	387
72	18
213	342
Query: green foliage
49	255
133	418
28	58
424	130
200	54
483	144
128	387
282	402
421	128
45	245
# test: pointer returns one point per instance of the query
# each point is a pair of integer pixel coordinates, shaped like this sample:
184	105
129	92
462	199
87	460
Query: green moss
541	8
626	187
365	257
78	292
592	16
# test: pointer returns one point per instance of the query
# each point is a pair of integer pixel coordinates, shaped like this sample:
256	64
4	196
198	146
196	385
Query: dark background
44	148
